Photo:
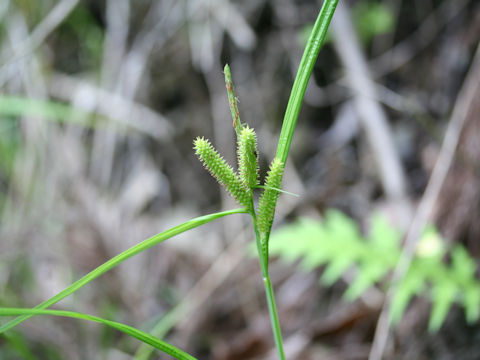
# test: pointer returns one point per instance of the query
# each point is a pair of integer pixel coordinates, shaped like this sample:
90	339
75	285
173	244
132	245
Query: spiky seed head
247	157
221	171
268	200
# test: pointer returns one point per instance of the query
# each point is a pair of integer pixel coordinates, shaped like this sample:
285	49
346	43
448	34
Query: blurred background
99	104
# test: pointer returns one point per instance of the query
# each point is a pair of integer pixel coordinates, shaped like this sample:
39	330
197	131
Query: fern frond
221	171
268	200
247	157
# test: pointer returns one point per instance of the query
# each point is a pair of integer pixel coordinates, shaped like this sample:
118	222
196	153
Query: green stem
272	308
292	112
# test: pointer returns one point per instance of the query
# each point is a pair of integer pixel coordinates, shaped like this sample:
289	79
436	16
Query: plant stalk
272	308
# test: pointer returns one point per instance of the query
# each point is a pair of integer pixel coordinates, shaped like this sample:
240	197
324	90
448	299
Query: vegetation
338	244
100	102
240	186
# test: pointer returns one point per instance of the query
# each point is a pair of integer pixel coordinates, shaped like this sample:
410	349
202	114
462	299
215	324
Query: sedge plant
240	184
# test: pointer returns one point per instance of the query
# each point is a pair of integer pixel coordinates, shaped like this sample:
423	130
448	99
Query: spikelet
221	171
268	200
247	157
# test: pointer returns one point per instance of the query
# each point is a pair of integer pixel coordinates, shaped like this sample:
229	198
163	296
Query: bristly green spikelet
268	200
221	171
247	157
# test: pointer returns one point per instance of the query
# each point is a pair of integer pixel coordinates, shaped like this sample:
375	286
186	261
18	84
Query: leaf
471	302
412	284
383	235
367	276
20	106
376	257
443	296
336	242
113	262
372	19
293	241
129	330
463	266
305	68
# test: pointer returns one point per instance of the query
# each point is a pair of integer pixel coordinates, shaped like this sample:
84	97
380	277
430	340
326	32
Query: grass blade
138	334
110	264
305	68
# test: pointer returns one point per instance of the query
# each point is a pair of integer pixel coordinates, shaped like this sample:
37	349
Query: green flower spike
221	171
247	157
268	200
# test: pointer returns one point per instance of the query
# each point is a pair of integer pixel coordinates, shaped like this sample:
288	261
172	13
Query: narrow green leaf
20	106
367	275
443	296
471	301
411	285
335	269
129	330
110	264
295	240
463	266
305	68
384	235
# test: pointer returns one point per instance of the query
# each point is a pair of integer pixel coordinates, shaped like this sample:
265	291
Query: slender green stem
272	308
277	331
110	264
297	94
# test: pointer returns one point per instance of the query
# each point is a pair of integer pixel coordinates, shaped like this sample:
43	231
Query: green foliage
138	334
118	259
372	19
18	344
225	175
338	244
12	106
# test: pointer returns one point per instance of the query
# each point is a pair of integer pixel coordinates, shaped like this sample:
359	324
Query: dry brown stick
424	210
370	114
54	18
